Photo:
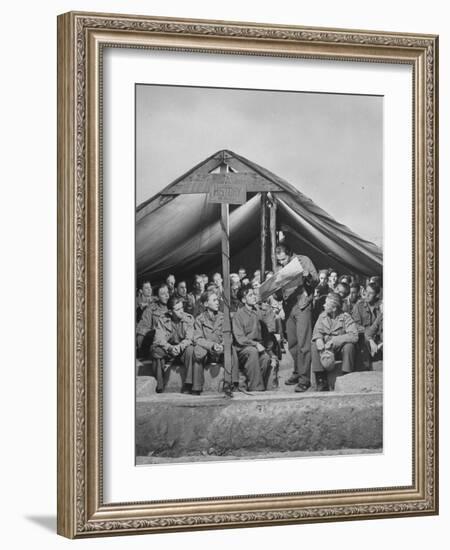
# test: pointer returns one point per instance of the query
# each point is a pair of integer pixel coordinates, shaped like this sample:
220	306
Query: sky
329	146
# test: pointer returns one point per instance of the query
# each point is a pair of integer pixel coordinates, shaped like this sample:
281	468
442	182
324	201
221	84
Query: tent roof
182	234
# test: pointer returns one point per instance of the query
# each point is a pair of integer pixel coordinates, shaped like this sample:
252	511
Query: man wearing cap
298	304
335	336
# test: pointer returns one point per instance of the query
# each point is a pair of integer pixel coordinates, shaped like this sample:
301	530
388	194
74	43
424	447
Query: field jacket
149	320
247	325
208	330
342	329
174	333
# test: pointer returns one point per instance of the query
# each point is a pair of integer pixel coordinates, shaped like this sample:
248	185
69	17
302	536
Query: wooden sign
227	193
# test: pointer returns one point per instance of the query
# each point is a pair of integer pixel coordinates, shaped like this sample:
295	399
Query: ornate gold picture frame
82	40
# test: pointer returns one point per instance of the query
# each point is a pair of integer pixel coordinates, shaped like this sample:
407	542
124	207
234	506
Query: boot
322	381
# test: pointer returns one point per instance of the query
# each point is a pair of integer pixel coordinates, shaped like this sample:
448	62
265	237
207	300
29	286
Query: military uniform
247	333
375	331
208	330
235	303
347	306
298	306
342	329
365	316
188	304
142	302
195	304
146	327
172	333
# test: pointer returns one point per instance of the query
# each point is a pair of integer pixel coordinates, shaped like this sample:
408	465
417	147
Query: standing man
253	357
209	347
145	330
173	339
298	304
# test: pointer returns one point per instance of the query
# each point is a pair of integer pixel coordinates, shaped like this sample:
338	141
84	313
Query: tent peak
223	154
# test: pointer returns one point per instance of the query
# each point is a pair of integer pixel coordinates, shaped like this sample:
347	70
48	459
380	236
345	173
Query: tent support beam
263	234
227	336
273	229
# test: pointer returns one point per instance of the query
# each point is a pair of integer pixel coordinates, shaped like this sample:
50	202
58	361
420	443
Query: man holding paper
296	278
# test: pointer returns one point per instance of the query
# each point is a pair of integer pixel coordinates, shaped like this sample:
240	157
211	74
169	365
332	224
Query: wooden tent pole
263	234
225	224
273	231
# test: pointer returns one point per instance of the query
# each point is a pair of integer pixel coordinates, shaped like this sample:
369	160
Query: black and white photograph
259	274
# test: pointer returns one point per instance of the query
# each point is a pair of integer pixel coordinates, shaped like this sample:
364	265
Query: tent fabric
182	234
188	242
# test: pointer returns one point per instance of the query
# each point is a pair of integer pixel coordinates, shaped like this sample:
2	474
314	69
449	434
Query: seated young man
320	293
212	287
144	298
209	347
145	330
235	285
181	292
374	336
352	298
332	278
173	340
365	312
335	331
254	359
343	289
195	295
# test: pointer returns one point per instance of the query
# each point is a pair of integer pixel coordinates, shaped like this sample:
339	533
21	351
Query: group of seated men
190	328
334	318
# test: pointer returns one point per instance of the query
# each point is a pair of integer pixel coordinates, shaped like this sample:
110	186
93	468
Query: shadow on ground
46	522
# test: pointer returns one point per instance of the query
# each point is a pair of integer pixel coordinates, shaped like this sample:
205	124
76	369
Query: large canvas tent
178	230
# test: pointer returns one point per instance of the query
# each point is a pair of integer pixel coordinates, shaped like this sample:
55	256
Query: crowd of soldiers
322	317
